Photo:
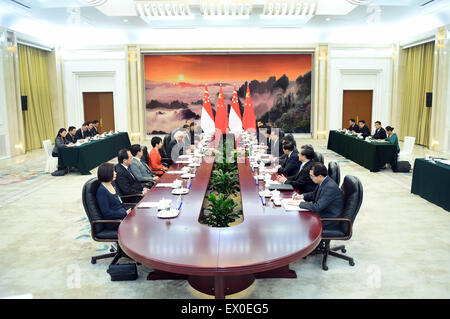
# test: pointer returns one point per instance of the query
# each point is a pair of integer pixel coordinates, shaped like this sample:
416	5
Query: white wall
95	71
352	68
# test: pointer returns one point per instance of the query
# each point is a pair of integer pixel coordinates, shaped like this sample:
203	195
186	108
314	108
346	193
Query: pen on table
180	205
190	185
262	201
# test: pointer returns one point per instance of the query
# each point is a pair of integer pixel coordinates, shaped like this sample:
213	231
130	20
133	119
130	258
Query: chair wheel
352	263
93	261
344	250
112	249
325	268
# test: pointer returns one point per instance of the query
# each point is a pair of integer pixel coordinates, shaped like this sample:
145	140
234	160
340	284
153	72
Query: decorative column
319	112
136	103
440	113
55	76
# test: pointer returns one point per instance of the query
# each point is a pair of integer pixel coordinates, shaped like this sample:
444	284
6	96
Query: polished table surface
268	238
371	155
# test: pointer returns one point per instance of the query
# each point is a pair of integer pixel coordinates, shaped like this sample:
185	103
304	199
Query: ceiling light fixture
163	10
277	9
226	8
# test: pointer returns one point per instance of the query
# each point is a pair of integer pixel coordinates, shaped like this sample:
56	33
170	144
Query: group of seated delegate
133	177
64	138
380	133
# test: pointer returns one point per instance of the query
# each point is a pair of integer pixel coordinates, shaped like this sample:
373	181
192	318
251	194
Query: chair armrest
339	219
132	195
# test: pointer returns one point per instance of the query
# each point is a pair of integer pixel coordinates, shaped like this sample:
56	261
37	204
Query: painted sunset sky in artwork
174	87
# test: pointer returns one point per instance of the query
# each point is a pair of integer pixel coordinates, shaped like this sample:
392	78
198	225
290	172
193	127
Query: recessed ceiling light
327	19
125	20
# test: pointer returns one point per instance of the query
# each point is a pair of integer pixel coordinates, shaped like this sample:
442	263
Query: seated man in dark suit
363	129
125	180
82	132
353	127
95	127
71	136
302	181
380	133
291	166
286	138
309	146
176	146
90	129
139	169
326	200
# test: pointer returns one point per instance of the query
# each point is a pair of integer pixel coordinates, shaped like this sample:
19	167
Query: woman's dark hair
156	140
145	154
105	172
389	128
62	129
319	169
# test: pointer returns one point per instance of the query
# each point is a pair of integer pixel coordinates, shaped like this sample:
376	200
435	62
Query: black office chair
353	196
334	172
102	230
318	157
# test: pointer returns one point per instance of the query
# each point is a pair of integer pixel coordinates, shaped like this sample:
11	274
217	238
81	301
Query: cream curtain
417	80
34	83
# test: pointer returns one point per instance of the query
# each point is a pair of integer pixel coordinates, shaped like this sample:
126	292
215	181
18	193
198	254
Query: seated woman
108	200
392	137
60	141
154	160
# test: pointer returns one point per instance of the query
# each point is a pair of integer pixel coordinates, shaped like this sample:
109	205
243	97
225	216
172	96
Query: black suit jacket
126	182
379	135
354	127
80	135
94	131
326	200
302	181
291	165
70	138
365	131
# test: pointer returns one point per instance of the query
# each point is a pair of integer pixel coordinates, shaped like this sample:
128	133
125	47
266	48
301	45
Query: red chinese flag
221	120
249	121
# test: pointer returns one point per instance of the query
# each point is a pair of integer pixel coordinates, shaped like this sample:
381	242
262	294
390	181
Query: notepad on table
164	185
147	204
175	172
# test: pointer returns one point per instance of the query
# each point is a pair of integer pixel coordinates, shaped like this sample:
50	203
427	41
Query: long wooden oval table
218	261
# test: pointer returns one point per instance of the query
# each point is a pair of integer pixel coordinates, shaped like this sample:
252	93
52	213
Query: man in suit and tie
291	166
302	181
125	180
326	200
71	135
353	127
380	133
140	170
363	129
95	127
82	132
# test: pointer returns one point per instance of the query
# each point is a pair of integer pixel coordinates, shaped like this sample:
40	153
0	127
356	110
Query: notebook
281	187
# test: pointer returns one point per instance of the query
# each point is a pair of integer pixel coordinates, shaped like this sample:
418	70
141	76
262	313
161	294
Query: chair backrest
166	142
408	144
48	147
353	196
89	199
334	172
318	157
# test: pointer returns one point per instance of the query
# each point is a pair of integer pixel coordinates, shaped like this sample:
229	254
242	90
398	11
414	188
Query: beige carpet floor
400	243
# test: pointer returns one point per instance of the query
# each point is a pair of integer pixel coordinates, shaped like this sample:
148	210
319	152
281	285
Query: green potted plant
226	183
221	211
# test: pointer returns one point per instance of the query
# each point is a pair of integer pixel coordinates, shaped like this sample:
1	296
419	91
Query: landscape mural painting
280	87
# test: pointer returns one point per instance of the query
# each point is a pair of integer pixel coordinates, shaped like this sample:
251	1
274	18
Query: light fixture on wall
440	39
288	8
323	54
162	10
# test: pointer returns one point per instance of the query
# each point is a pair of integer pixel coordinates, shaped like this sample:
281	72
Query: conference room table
371	155
91	154
218	260
431	181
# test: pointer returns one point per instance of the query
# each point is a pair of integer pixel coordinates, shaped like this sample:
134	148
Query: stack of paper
164	185
291	207
147	204
175	172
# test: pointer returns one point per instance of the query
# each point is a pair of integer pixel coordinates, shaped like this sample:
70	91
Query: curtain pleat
34	83
418	80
